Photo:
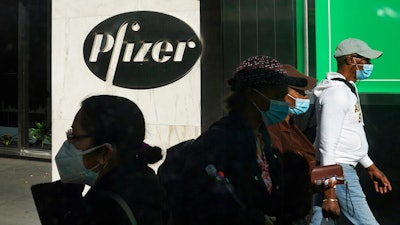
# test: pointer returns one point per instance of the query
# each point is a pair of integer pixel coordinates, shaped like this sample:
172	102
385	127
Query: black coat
63	204
229	145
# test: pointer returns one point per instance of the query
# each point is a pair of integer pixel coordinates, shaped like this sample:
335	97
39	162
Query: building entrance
25	119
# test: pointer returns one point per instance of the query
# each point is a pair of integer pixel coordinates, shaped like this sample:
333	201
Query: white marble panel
172	112
177	103
75	8
169	5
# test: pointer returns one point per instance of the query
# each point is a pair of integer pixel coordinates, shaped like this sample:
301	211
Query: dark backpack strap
352	88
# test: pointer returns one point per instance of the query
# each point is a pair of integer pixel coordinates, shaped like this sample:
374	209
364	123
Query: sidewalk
16	178
18	175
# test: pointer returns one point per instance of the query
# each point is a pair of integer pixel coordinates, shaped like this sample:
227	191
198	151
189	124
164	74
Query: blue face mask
365	72
277	112
69	161
301	105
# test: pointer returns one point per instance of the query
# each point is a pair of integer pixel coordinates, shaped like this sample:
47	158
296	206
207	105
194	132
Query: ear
106	154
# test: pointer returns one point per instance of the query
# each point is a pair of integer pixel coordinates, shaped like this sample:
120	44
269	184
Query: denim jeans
352	201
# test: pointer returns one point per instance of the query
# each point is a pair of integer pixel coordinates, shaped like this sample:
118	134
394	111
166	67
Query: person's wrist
330	193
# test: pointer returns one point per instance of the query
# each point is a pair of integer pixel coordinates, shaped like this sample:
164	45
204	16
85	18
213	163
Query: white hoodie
340	127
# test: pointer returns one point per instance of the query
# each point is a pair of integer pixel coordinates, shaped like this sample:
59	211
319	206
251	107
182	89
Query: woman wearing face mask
297	152
286	135
105	150
231	175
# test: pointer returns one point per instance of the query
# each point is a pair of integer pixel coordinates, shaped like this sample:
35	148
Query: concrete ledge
41	154
44	154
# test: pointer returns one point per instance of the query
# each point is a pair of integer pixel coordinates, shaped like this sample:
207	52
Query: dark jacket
63	204
286	136
229	145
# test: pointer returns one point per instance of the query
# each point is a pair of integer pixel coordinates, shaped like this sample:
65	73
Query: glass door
25	118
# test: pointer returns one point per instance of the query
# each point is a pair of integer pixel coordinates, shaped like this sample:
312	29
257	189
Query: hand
330	208
269	220
330	205
323	185
380	181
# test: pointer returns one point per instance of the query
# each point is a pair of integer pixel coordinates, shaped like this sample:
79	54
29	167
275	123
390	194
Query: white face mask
69	161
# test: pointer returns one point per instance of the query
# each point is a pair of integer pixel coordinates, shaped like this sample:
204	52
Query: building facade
172	58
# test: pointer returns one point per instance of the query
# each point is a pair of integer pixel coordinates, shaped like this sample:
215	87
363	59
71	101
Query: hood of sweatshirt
329	83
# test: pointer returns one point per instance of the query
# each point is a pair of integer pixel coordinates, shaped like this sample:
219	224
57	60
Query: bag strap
310	117
352	88
124	206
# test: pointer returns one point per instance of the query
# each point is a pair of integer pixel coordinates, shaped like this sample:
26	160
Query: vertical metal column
23	76
212	79
306	43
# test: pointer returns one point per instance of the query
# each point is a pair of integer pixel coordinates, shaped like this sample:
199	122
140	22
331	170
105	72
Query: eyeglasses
71	136
362	58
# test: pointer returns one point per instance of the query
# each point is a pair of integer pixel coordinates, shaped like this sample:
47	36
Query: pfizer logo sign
141	50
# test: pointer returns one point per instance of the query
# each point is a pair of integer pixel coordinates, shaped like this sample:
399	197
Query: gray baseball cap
356	46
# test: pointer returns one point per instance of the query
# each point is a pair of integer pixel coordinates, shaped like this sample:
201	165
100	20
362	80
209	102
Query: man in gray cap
340	137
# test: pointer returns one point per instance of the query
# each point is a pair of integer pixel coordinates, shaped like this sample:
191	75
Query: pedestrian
286	136
104	149
297	152
340	137
231	175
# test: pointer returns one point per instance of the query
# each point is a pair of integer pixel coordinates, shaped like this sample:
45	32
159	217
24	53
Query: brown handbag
321	173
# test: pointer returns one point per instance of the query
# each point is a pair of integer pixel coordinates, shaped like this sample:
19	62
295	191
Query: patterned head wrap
257	71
